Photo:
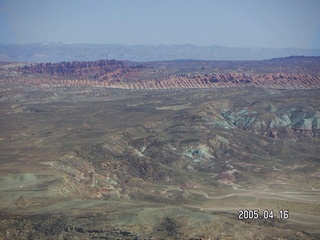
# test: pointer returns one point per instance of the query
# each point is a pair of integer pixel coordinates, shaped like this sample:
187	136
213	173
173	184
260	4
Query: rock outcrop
127	75
279	81
97	70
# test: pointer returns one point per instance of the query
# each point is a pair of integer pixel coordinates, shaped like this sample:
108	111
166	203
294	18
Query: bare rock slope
286	73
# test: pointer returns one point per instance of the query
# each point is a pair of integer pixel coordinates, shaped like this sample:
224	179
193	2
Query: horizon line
155	45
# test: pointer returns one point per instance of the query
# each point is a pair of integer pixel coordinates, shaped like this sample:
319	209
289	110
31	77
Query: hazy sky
232	23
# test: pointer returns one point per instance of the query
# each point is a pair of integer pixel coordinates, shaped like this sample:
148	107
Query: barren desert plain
160	150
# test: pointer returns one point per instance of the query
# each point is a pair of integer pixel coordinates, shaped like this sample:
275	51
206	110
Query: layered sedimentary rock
284	81
102	69
127	75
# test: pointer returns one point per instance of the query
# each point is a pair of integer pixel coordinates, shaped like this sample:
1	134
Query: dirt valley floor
167	159
162	164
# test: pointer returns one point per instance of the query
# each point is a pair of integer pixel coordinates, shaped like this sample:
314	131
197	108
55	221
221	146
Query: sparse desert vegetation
159	150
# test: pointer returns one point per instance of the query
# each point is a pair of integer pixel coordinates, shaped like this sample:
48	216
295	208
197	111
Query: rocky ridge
278	81
127	75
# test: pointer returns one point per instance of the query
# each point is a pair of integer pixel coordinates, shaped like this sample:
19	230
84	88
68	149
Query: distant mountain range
56	52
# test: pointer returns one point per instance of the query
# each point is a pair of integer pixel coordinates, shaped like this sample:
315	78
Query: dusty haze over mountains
59	52
46	31
245	23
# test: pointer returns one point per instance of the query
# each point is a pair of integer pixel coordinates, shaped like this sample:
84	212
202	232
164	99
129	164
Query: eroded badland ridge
160	150
286	73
